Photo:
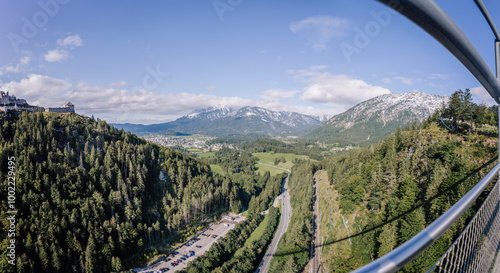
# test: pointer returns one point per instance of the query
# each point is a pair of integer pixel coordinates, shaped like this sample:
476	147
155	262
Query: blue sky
154	61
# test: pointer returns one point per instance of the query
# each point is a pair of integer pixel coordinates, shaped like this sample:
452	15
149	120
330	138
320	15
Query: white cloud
318	67
441	76
39	90
115	103
56	55
23	61
481	94
341	91
71	41
319	30
386	80
60	54
211	87
405	80
278	94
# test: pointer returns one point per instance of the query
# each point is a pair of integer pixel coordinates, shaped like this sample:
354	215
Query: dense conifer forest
293	249
399	186
90	196
394	189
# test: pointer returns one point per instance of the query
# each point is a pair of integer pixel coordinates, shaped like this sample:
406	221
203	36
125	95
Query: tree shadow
395	218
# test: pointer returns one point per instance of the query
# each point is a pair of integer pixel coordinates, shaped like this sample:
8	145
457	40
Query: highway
286	214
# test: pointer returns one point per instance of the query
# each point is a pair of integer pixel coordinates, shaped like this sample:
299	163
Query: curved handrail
430	17
408	251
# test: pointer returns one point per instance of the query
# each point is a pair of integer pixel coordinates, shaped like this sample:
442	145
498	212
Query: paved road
286	214
314	265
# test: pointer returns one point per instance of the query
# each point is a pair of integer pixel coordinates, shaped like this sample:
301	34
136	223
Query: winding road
286	214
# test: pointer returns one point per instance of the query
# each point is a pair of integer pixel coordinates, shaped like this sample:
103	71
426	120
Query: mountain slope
370	121
222	121
89	196
387	193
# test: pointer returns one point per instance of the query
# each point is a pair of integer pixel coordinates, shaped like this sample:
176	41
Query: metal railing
431	18
477	248
408	251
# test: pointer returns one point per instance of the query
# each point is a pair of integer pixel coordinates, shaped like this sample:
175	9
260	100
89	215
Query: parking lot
198	245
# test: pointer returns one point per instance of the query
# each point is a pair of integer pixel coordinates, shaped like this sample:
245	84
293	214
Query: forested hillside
89	196
372	120
396	188
293	249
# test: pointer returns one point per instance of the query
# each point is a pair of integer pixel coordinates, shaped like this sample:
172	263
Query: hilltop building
68	108
5	99
8	102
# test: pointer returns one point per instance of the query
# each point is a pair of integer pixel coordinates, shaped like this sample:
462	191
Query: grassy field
216	169
203	155
261	169
258	231
255	234
268	158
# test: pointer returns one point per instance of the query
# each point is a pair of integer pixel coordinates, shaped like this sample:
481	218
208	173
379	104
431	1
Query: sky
153	61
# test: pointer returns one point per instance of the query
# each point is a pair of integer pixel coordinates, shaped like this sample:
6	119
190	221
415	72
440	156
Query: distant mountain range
364	124
372	120
221	121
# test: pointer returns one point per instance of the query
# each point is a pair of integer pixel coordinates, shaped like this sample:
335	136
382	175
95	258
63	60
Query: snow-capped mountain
224	121
211	113
371	120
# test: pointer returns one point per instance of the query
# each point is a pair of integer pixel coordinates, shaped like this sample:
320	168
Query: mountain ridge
224	121
371	120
